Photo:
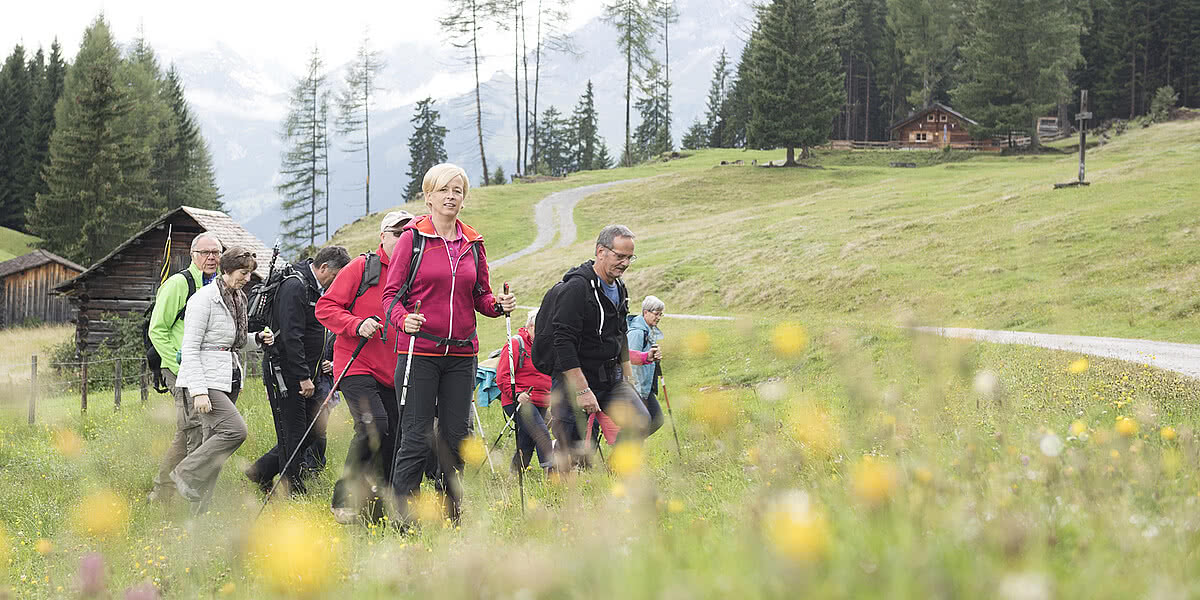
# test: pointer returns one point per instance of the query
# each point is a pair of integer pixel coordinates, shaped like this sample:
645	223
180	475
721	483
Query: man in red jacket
533	397
367	386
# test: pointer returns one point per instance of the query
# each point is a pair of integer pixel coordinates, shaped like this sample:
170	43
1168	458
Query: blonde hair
532	317
440	175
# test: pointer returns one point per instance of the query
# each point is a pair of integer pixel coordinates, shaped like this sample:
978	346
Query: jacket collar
383	255
424	225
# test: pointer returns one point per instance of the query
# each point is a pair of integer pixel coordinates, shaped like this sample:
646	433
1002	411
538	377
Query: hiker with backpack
581	343
440	263
368	386
644	335
215	329
164	331
299	351
533	397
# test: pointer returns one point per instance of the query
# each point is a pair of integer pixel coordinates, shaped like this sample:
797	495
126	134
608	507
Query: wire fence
128	377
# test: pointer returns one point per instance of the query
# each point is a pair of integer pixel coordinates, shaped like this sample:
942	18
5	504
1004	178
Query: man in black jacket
300	343
588	359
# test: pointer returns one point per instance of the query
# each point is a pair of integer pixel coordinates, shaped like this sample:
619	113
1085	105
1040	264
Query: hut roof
924	111
36	258
212	221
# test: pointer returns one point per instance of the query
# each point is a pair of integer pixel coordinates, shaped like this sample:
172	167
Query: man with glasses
166	333
581	343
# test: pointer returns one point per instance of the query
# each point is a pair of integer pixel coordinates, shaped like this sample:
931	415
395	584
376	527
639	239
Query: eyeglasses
207	252
622	257
247	255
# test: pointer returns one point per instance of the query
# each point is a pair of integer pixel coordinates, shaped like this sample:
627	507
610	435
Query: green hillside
824	451
14	243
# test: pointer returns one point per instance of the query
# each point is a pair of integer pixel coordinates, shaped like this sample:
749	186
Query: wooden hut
935	126
26	283
125	281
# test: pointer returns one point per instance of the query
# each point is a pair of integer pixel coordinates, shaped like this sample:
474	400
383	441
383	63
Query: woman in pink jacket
451	283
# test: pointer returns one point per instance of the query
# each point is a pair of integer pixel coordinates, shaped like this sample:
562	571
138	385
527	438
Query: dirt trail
1172	356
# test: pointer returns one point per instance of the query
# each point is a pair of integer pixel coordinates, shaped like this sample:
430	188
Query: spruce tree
1018	55
735	109
303	161
713	127
100	191
152	118
795	89
554	144
40	126
586	135
426	146
652	136
354	110
634	28
16	97
923	33
186	177
696	136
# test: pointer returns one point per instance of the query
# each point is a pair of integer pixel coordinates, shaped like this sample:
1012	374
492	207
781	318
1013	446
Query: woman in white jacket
214	329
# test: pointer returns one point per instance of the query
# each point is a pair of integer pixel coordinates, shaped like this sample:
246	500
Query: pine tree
41	125
186	176
100	191
426	146
303	161
634	28
652	136
498	177
714	126
16	97
153	118
586	134
602	160
1018	55
735	110
923	34
795	88
553	140
696	136
354	109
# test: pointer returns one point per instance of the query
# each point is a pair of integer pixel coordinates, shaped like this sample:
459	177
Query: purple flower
91	575
144	591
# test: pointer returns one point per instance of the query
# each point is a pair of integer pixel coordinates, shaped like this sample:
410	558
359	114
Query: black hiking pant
375	409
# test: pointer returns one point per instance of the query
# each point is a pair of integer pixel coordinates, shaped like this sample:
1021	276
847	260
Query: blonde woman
451	283
214	330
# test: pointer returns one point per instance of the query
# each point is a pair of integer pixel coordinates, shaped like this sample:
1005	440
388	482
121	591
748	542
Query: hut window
922	137
930	117
942	118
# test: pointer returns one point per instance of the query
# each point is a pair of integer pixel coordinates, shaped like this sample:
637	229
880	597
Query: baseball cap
395	220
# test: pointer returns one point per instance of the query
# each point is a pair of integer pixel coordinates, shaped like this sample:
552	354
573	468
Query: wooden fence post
83	386
117	383
32	388
145	381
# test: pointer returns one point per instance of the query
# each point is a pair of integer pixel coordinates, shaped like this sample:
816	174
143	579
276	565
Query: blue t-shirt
611	291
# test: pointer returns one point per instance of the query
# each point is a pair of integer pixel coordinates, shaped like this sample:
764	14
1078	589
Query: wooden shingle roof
35	259
924	111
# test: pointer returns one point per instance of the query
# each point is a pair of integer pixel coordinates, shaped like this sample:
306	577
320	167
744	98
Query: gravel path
555	215
1181	358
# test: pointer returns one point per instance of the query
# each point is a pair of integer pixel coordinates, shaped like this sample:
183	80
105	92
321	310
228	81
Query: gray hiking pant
188	436
196	475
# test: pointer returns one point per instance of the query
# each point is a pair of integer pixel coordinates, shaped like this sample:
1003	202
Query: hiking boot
184	489
264	485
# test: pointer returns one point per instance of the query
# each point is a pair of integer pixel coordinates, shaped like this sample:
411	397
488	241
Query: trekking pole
482	439
662	383
512	387
591	425
336	384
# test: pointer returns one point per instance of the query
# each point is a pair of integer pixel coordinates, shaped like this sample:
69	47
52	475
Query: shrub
1160	106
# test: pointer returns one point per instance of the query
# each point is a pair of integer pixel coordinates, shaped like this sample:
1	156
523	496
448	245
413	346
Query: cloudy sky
262	31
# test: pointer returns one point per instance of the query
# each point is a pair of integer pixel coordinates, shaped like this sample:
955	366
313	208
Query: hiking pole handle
412	340
507	313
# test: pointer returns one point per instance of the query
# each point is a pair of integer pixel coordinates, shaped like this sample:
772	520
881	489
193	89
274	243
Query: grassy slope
968	502
13	243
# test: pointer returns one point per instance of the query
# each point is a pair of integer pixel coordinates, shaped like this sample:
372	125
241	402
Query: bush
126	342
1160	106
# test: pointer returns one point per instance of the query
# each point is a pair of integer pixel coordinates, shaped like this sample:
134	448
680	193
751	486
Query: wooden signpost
1083	117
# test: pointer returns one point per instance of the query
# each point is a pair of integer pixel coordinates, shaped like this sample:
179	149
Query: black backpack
153	360
543	331
261	297
372	268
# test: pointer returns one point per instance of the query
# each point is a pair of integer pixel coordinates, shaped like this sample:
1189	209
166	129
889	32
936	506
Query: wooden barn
26	283
126	280
934	126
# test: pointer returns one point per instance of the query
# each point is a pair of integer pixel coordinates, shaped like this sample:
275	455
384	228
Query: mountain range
241	103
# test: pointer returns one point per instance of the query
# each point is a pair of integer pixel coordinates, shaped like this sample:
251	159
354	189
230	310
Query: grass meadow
826	452
13	243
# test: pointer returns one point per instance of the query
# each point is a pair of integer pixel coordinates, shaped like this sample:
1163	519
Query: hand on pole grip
414	320
506	301
369	327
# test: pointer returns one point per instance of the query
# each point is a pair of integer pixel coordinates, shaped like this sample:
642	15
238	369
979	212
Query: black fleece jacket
300	338
589	332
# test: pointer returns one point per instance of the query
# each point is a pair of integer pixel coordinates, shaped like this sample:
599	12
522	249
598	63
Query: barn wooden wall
128	282
26	295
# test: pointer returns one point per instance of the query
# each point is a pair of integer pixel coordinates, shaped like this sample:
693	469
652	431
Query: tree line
1004	63
93	151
